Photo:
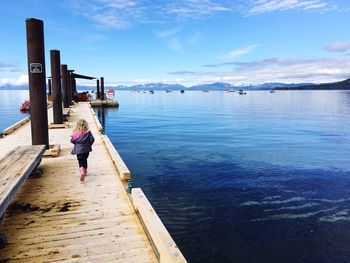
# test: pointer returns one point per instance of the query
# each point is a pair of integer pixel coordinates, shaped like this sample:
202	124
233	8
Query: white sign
36	68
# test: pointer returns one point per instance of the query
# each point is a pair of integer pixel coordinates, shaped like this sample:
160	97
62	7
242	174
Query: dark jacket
83	143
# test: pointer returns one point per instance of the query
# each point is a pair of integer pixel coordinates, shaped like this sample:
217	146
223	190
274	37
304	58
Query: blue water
10	101
255	178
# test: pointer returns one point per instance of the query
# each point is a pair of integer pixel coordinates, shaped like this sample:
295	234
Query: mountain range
217	86
340	85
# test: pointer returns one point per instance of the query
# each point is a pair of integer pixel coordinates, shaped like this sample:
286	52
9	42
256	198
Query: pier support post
102	96
49	85
70	85
97	89
56	86
37	81
75	85
65	90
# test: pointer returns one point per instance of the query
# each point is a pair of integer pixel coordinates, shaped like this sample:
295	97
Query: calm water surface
256	178
10	101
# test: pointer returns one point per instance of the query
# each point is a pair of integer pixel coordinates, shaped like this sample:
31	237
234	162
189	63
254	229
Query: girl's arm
92	139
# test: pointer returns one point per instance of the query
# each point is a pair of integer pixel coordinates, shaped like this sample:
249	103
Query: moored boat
25	106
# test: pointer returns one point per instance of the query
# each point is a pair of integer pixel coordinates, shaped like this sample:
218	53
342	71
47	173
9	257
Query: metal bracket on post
130	186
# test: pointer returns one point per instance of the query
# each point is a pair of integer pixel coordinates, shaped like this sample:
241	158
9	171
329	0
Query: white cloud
122	14
175	44
274	70
168	33
117	14
21	80
195	9
264	6
8	66
338	47
171	38
240	52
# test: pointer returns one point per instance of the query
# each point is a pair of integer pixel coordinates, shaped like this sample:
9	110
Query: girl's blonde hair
82	125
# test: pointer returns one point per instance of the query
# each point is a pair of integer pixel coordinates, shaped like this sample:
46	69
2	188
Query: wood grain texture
15	169
165	245
56	218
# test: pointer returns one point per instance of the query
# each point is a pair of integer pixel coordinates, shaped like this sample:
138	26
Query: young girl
82	139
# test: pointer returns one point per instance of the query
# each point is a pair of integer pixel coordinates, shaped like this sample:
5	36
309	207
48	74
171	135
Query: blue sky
184	41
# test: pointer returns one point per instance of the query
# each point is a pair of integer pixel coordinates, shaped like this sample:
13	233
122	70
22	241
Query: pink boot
82	174
85	171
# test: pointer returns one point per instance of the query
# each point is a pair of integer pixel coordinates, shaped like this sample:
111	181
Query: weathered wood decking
56	218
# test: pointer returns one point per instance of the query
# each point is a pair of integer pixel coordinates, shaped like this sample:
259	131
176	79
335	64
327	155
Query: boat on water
25	106
167	91
182	91
110	92
228	90
151	91
242	92
272	91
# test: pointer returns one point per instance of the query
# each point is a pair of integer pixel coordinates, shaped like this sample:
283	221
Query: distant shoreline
217	86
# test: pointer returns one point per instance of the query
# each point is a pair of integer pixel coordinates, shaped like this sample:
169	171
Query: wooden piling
102	95
65	86
70	85
97	89
56	85
49	87
37	81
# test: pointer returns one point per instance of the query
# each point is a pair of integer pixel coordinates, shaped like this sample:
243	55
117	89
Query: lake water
10	101
262	177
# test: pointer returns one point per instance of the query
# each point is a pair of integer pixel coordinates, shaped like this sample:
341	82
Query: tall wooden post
49	85
37	81
56	86
97	89
75	85
71	86
102	96
65	90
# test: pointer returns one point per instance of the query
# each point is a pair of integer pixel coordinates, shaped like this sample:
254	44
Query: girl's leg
85	164
82	159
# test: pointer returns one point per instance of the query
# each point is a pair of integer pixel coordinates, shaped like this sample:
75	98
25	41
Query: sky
188	42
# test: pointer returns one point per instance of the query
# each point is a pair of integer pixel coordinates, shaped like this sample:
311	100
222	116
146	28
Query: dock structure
55	218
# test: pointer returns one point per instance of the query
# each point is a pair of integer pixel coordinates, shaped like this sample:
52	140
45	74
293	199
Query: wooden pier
55	218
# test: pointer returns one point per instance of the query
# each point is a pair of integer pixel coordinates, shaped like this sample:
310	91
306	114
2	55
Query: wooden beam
122	169
53	151
15	169
66	111
15	126
165	245
99	126
59	126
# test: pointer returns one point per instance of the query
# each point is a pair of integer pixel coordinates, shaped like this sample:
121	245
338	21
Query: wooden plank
100	224
97	122
66	111
31	161
15	126
122	169
53	151
165	245
59	126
